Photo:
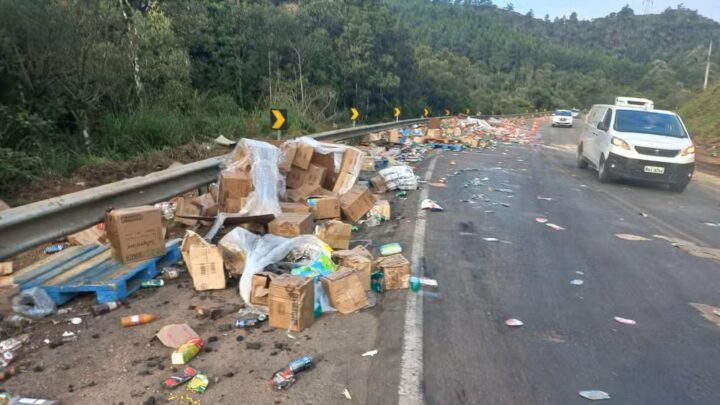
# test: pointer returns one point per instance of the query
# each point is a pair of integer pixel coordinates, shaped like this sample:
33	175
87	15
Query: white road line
411	364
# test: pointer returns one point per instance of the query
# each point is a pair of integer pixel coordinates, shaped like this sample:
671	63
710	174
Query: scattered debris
55	248
577	282
175	335
178	379
76	320
346	393
135	320
594	395
514	322
544	198
627	236
625	321
390	249
430	205
541	220
199	383
371	353
491	239
555	227
286	377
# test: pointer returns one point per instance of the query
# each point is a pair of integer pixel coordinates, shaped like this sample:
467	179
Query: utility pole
707	67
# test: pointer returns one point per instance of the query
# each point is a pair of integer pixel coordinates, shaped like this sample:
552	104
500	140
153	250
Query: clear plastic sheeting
337	151
399	178
265	250
33	302
268	184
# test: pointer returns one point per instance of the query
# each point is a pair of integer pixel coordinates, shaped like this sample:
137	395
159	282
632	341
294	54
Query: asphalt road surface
569	341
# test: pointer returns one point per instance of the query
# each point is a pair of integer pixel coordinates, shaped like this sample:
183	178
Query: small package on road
337	234
291	302
345	290
396	269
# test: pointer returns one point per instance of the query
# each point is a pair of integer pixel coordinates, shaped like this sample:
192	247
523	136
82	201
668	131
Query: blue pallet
84	269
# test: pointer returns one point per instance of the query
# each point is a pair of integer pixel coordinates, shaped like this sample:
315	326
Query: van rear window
647	122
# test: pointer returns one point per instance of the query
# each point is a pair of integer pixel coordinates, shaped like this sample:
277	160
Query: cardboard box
204	262
315	175
394	136
295	177
337	234
6	294
379	184
361	264
351	158
294	207
89	236
356	203
234	185
382	208
434	123
345	290
457	131
360	249
433	133
291	224
233	259
419	139
324	207
135	234
260	291
205	266
368	164
287	156
328	162
6	268
397	272
303	192
303	156
187	206
291	303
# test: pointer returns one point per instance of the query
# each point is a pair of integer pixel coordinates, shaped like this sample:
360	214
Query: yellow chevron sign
447	112
354	113
467	111
278	119
426	112
396	112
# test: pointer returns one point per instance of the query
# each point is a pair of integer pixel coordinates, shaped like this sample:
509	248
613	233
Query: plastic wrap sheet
268	184
399	178
337	151
264	250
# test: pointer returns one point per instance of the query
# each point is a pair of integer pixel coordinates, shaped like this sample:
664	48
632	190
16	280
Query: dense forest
83	81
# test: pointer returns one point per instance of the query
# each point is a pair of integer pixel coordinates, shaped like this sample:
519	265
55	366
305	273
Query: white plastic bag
268	184
399	178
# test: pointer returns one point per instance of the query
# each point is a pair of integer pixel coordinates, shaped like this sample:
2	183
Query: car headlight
619	142
689	151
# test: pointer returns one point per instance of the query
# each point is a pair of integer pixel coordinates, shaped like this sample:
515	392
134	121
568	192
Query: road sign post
354	115
278	120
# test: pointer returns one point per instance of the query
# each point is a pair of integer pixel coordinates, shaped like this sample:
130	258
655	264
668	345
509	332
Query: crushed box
324	207
345	290
260	291
396	271
361	264
135	234
378	182
291	224
356	203
291	303
337	234
204	262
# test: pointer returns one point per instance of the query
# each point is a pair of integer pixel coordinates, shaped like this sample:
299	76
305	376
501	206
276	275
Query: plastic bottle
187	351
100	309
415	284
135	320
249	323
7	372
32	401
300	364
153	283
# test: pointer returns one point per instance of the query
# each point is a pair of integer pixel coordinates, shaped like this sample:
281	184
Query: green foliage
85	81
701	114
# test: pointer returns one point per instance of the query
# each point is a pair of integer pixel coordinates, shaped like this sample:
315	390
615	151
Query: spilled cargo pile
281	225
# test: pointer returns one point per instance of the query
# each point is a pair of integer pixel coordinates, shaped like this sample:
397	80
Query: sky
593	9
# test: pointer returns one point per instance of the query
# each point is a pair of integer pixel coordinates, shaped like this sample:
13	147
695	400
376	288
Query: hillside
701	115
103	81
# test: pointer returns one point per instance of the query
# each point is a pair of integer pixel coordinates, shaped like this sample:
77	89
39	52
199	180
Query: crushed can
55	248
249	323
283	379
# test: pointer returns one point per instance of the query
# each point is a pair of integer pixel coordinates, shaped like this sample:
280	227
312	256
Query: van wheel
603	173
581	162
678	187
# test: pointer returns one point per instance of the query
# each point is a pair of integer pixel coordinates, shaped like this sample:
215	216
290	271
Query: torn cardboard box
204	262
378	182
260	292
135	234
381	208
337	234
324	207
291	303
345	290
361	264
356	203
185	206
294	207
89	236
290	224
175	335
396	271
328	162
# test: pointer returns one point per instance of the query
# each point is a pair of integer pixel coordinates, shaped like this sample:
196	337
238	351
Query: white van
633	140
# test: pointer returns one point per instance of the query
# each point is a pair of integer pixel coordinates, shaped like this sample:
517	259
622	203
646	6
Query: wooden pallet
83	269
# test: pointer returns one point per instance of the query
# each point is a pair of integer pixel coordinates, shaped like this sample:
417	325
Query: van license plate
654	169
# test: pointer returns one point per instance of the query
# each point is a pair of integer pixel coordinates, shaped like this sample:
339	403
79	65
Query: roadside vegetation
85	82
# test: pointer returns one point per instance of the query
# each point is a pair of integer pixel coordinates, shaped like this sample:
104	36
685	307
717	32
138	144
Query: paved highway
570	340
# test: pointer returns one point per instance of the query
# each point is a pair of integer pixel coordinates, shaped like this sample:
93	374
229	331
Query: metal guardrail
24	227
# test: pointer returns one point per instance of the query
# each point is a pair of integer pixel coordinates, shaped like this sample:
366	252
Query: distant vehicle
562	118
575	112
633	140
